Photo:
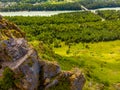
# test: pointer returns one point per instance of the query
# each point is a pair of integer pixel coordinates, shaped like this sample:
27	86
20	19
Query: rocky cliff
30	72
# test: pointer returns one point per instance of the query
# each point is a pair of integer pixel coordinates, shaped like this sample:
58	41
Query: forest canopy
72	27
40	5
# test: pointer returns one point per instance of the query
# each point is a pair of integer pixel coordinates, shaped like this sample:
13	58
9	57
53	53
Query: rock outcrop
31	72
23	60
9	30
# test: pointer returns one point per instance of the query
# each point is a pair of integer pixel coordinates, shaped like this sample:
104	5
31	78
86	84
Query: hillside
79	39
22	69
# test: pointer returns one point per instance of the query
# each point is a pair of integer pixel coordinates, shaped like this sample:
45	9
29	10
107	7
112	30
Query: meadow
100	62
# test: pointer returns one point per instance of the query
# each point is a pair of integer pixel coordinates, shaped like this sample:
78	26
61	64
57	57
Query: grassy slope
99	61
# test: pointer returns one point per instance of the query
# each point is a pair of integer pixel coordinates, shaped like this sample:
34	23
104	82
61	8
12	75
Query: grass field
100	62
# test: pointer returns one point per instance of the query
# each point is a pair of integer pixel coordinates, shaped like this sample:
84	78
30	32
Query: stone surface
74	80
11	55
77	81
117	86
13	49
49	69
9	30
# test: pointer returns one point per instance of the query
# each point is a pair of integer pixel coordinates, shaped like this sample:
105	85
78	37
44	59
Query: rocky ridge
31	71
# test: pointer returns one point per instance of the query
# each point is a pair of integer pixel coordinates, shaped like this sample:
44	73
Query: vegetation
94	4
32	1
70	27
7	81
40	5
110	14
99	63
78	39
43	7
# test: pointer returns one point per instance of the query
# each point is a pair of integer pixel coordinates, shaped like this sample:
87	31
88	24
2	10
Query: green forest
72	27
79	39
50	5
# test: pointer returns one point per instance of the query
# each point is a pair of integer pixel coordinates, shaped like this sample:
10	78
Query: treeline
63	18
94	4
70	27
31	1
25	1
30	5
10	0
43	7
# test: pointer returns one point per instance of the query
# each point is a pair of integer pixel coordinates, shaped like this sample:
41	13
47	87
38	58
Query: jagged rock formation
9	30
31	72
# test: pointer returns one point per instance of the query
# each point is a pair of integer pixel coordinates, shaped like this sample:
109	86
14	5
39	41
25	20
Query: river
33	13
45	13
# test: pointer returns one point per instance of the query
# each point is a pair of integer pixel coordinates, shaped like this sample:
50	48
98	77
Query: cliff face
31	72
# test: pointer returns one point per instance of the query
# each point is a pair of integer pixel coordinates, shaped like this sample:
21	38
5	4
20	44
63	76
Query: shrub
8	79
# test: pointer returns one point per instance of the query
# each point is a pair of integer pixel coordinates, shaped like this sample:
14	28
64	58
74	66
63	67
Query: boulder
14	53
68	80
49	69
13	49
77	81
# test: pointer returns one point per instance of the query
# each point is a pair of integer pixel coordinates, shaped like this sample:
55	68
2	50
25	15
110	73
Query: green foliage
44	50
68	51
72	27
43	7
40	5
57	43
110	14
94	4
7	81
63	84
23	1
99	63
